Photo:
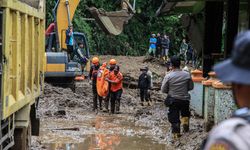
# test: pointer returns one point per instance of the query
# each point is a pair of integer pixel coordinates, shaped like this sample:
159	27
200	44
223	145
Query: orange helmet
95	60
112	62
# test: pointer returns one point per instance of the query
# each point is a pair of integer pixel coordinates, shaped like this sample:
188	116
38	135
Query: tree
134	39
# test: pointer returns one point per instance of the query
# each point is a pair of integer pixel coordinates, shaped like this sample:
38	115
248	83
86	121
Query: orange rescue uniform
118	81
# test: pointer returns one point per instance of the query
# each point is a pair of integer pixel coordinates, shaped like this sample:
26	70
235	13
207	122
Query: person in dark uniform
234	133
176	84
93	76
144	84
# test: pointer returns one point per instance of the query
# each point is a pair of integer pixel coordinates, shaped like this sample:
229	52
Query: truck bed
22	54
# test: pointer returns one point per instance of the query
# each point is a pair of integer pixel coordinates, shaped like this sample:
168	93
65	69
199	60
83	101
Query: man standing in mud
234	133
115	79
144	84
93	76
176	84
112	64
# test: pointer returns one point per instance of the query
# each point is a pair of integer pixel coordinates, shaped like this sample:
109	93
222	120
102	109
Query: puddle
97	133
110	142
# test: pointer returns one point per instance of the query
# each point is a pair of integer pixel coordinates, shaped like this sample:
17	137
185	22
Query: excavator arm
64	13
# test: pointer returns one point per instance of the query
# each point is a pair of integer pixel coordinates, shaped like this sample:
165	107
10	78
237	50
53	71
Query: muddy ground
67	121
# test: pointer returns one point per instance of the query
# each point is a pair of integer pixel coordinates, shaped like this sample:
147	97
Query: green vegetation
134	39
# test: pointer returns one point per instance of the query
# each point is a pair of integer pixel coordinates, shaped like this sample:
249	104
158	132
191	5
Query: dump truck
22	26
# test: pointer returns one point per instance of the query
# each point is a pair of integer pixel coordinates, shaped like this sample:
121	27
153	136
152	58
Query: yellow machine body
23	47
62	19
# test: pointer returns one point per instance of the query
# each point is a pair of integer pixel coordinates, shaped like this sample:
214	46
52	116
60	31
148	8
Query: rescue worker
80	57
234	133
112	64
115	78
144	84
176	84
93	76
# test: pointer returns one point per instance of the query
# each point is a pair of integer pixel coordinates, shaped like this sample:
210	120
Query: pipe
68	10
134	5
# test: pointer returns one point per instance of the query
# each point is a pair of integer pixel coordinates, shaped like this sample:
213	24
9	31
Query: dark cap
144	68
237	68
175	61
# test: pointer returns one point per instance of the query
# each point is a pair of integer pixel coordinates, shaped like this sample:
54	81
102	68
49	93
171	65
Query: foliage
135	37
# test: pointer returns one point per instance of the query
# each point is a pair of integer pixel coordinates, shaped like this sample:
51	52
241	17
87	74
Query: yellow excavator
59	68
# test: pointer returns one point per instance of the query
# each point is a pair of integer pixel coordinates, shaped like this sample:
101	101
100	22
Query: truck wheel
22	138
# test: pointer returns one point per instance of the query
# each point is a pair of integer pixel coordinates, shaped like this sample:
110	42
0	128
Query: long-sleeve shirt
79	56
117	81
177	84
93	72
165	43
144	81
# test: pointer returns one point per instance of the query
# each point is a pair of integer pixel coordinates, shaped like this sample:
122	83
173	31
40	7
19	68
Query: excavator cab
58	62
52	46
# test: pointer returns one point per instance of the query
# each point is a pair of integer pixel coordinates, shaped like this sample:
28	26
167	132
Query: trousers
178	108
95	97
115	100
144	95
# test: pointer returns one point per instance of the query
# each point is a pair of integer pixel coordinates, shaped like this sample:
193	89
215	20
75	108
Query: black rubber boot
176	131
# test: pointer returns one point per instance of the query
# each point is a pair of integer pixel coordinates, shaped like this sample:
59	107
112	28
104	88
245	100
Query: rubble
66	117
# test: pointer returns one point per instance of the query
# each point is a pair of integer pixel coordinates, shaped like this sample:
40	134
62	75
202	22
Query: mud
67	122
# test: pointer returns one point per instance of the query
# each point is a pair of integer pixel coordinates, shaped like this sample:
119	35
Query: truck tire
22	138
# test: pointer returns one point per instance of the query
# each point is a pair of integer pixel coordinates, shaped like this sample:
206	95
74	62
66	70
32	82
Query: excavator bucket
111	22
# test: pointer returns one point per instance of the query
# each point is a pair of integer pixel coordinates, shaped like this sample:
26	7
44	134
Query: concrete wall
196	102
224	105
209	101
